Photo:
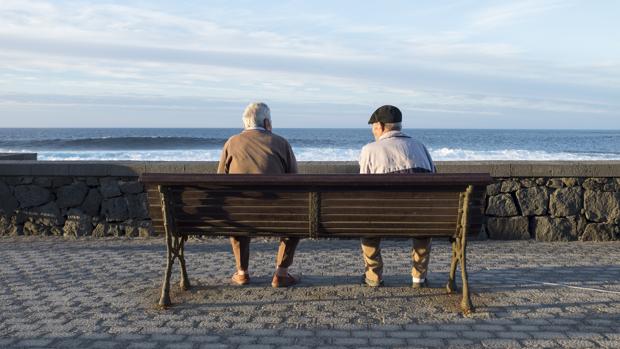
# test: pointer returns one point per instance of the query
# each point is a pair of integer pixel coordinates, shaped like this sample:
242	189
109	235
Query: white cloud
507	13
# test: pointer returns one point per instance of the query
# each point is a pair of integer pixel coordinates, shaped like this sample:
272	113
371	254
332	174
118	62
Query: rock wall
554	209
73	206
546	201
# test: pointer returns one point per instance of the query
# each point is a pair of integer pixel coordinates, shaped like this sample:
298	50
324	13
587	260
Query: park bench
317	206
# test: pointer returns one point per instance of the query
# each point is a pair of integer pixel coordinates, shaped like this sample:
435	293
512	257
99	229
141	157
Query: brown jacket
257	152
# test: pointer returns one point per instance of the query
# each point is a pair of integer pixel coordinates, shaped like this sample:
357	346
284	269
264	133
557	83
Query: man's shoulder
279	139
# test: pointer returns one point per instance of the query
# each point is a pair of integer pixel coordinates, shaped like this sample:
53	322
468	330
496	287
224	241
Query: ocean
309	144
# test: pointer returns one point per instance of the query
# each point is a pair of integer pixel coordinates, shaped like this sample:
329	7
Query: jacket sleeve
365	161
291	161
430	160
223	166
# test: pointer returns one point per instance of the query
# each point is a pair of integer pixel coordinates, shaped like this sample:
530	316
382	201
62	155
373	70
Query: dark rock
502	206
12	181
71	195
131	229
596	184
32	229
38	229
16	230
92	202
108	229
133	187
100	230
109	188
555	229
541	181
601	232
32	195
528	183
570	182
138	206
566	202
513	228
48	215
533	201
92	181
8	202
45	182
115	210
555	183
5	225
510	186
493	189
27	180
78	224
145	229
601	207
116	230
58	182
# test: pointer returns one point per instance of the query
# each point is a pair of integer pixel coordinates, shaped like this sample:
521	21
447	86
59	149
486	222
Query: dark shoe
417	285
370	283
284	281
240	280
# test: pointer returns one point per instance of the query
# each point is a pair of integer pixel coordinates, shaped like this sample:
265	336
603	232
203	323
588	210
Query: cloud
507	13
125	56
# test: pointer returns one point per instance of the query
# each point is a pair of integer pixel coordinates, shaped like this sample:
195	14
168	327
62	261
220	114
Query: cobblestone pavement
102	294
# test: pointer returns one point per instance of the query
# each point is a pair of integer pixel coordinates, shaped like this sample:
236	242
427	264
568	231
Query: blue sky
447	64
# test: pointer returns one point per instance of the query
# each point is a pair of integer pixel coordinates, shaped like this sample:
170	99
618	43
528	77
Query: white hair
255	115
396	126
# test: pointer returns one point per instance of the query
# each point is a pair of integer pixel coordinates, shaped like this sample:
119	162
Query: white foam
322	154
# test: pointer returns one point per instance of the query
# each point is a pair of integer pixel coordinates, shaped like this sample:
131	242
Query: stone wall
73	206
554	209
548	201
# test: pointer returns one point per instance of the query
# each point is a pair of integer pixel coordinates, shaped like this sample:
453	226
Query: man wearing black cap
394	152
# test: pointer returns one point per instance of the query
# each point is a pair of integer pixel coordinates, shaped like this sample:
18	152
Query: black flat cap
387	114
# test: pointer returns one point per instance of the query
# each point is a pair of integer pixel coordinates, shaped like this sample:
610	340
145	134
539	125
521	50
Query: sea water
310	144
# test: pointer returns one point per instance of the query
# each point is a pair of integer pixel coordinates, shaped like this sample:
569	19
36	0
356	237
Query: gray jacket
395	152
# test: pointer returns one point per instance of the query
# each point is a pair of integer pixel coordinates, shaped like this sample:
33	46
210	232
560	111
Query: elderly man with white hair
257	150
394	152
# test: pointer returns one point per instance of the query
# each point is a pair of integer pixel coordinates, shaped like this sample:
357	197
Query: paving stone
102	293
350	341
34	343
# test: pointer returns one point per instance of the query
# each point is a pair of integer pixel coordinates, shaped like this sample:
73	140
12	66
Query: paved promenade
102	294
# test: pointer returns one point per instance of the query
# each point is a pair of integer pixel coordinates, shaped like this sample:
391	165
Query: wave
323	154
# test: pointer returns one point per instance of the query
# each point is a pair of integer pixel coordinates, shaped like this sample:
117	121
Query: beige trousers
241	250
371	249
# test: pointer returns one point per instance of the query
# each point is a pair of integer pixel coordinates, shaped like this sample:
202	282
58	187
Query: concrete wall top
135	168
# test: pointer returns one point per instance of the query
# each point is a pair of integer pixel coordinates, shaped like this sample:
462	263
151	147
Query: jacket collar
393	134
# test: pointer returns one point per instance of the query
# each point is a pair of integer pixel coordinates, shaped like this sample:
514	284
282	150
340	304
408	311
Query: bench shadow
486	286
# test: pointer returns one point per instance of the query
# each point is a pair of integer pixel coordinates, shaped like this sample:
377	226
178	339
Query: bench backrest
315	206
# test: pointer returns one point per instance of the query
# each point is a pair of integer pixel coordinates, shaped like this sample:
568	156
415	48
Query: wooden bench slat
241	202
384	180
206	217
354	211
206	209
232	230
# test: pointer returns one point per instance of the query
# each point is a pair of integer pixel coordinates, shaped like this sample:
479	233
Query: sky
447	64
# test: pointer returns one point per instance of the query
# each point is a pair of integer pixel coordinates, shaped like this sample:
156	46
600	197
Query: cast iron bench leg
185	285
451	286
466	304
164	300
